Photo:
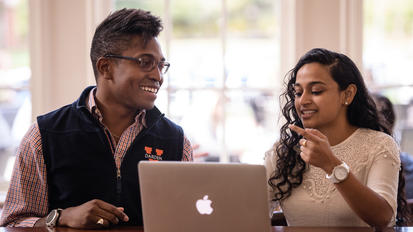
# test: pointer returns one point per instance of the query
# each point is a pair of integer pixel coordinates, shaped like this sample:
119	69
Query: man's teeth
148	89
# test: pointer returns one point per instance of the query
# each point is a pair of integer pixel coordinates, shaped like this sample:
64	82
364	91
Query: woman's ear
104	67
349	94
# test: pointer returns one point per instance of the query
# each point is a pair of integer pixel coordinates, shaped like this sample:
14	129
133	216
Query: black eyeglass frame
162	65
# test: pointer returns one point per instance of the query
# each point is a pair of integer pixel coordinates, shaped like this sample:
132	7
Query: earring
345	103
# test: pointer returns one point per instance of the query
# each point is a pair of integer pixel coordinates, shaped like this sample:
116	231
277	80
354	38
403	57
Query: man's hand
198	154
91	215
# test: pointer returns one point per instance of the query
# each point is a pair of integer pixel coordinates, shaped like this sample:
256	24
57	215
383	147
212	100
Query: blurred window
223	83
388	57
15	104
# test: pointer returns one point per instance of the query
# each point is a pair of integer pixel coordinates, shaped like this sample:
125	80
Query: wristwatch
53	217
339	174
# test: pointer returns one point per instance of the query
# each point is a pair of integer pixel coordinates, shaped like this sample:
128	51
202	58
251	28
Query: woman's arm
366	203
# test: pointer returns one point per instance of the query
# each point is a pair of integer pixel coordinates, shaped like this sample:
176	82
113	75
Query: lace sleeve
384	173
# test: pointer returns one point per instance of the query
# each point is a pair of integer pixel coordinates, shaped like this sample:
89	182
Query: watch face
50	218
341	173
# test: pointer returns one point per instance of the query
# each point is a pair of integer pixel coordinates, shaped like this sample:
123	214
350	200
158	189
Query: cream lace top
373	157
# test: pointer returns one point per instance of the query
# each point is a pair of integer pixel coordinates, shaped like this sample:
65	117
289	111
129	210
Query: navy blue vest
81	167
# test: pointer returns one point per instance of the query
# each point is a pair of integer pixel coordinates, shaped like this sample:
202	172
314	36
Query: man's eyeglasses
145	62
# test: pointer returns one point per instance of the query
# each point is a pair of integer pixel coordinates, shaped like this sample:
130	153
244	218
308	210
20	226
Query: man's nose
156	74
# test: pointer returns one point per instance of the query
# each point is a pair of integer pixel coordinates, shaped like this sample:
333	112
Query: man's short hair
115	33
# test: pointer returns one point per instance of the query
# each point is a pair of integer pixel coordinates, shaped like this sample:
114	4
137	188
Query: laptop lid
185	196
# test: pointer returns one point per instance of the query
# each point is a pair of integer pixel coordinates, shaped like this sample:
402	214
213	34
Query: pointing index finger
304	132
297	129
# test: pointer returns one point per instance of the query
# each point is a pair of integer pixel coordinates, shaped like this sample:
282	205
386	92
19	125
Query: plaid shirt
27	197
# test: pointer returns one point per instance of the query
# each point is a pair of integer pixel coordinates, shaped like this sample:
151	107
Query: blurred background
228	61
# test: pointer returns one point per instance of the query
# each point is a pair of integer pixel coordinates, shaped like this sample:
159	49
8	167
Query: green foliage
203	18
389	23
395	16
154	6
19	58
192	18
252	17
18	53
22	23
408	17
368	13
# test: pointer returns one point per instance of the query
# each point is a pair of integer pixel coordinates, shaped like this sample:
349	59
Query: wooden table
274	229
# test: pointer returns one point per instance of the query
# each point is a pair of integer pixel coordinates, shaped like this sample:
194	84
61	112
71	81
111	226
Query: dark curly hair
361	112
116	32
385	109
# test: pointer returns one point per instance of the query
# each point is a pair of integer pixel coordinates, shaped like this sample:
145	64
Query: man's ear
349	94
104	67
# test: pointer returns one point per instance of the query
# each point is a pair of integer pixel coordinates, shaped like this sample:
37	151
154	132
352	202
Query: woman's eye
297	94
316	92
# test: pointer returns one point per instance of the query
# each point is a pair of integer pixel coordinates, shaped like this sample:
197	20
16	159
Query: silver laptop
184	196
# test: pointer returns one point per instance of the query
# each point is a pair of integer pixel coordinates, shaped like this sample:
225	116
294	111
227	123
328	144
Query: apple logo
204	205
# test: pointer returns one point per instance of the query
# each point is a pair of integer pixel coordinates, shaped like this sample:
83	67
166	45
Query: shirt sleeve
187	151
384	173
26	200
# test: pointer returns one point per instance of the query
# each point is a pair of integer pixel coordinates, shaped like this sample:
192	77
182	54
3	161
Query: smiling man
77	165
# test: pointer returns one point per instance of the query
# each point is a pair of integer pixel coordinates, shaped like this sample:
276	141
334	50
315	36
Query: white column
333	24
60	35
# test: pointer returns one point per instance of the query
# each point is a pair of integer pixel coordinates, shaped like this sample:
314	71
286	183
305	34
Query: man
77	166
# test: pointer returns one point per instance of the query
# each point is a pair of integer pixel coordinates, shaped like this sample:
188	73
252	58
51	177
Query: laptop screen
185	196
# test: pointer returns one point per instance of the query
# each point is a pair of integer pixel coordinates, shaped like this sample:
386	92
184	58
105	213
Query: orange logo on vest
159	152
148	150
150	157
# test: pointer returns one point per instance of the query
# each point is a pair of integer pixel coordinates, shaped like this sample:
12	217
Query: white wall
60	35
333	24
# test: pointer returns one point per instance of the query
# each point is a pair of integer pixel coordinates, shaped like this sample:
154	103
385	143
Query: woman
335	163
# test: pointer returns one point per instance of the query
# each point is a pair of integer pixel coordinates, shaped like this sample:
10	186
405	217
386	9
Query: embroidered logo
150	157
159	152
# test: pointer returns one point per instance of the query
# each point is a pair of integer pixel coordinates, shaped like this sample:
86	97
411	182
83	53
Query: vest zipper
118	186
118	174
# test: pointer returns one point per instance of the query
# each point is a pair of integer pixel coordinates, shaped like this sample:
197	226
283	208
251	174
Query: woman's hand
315	149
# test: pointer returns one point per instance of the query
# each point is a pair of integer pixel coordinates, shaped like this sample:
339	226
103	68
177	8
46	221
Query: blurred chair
406	144
278	219
2	199
410	206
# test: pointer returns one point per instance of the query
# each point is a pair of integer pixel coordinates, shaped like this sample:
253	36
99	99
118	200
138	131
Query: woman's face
318	99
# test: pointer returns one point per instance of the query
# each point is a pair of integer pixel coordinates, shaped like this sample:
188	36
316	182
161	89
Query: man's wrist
61	221
40	223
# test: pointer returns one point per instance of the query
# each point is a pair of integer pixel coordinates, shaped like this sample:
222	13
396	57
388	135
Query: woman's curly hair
361	112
